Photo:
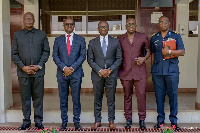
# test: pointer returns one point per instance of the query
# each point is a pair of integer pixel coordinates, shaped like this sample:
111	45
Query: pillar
6	100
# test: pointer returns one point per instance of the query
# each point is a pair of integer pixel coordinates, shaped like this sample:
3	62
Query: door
146	24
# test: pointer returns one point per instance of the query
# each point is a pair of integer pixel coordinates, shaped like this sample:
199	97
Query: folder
171	44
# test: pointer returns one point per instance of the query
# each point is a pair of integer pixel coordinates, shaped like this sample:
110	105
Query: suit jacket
129	69
76	58
30	48
97	61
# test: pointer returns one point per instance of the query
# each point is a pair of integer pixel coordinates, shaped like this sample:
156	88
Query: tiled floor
186	101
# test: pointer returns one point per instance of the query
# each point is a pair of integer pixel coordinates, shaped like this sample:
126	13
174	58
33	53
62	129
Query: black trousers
110	87
32	87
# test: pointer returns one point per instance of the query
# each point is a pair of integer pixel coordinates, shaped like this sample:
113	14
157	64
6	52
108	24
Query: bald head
29	14
29	20
130	19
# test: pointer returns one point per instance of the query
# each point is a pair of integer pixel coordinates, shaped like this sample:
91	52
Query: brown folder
171	44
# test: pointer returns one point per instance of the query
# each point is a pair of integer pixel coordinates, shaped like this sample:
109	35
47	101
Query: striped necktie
104	47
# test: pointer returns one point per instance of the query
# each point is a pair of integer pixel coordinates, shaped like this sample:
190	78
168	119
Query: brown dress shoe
112	125
96	125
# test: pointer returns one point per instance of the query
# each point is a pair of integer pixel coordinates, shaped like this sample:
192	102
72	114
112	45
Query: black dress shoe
24	126
77	126
142	124
63	126
175	126
158	124
39	125
128	124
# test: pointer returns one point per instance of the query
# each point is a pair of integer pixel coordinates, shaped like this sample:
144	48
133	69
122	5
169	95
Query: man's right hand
105	73
28	70
68	71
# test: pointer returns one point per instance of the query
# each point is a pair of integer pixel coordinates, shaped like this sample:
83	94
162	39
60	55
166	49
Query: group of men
109	58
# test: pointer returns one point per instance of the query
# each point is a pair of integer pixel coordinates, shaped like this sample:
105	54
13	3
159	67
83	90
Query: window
86	13
193	18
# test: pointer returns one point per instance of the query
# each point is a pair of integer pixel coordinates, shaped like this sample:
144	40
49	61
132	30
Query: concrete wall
5	56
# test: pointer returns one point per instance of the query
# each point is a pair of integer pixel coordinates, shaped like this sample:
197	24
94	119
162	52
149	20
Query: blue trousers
63	86
169	84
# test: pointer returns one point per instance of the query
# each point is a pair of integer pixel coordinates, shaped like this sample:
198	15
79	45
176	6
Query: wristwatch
170	51
40	67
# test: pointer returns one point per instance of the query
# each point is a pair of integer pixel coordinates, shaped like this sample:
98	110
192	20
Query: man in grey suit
104	57
30	51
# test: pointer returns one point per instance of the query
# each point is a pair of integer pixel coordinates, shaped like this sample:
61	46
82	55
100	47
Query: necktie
104	47
68	44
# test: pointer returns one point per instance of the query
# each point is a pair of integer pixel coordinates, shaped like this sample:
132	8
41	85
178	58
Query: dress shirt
70	38
101	40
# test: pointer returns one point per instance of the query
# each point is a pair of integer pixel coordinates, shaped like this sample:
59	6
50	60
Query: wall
5	56
188	63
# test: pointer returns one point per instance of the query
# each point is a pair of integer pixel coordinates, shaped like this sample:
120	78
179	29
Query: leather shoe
96	125
175	126
24	126
128	124
63	126
142	124
112	125
39	125
158	124
77	126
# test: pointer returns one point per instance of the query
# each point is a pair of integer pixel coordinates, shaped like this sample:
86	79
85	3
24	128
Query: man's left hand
165	50
35	68
139	60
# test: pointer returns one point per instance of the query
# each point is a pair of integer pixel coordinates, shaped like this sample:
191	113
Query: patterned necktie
68	44
104	47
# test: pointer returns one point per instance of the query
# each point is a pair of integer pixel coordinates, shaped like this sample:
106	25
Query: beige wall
5	56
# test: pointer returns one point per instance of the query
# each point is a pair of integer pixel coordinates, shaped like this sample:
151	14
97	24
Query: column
6	100
197	103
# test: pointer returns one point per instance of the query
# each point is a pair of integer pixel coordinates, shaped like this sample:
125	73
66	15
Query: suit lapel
109	45
64	44
73	43
98	46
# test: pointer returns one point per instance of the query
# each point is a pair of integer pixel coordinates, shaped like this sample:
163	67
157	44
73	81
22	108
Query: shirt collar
26	30
106	37
72	34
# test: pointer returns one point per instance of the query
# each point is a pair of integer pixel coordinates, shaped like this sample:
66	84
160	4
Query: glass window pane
156	3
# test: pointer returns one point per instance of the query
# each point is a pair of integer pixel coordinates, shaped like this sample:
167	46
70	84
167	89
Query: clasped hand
68	71
32	69
105	73
139	60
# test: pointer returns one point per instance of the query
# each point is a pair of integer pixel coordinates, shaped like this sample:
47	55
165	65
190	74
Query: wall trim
119	90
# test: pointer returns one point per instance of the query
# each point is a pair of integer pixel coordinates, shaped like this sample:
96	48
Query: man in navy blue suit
69	53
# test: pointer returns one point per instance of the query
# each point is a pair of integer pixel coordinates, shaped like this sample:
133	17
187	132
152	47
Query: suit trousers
110	88
32	87
63	85
169	84
140	88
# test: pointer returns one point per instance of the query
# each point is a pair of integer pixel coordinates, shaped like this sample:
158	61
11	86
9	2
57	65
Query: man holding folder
165	71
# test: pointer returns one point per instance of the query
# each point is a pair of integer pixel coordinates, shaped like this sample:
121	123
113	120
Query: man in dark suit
30	51
69	53
104	57
133	71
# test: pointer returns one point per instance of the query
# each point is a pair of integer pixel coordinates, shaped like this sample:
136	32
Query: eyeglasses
163	22
67	24
130	24
31	20
103	27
